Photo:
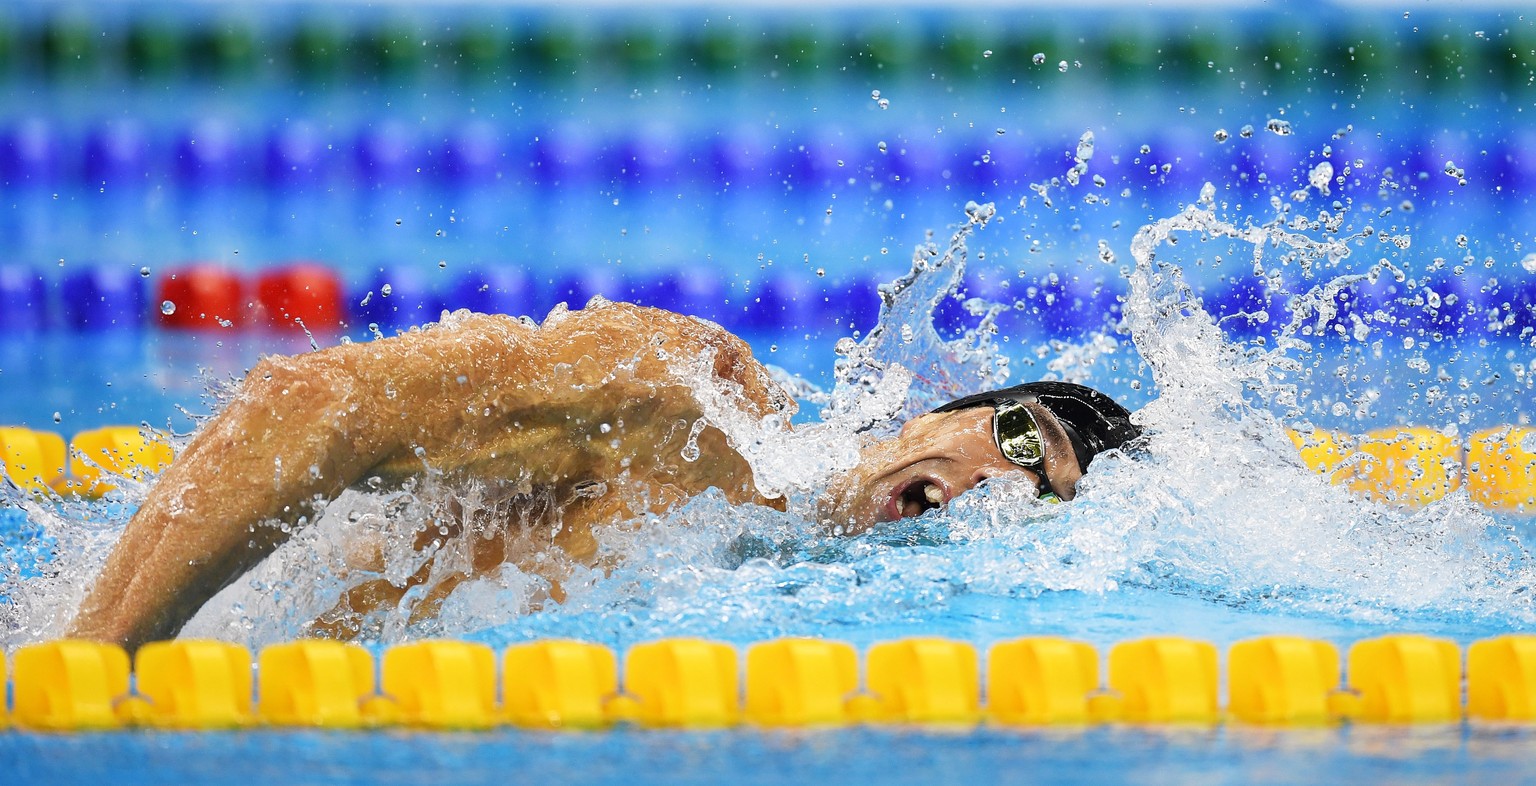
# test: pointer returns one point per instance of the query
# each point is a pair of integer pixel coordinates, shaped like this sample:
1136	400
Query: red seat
302	295
202	297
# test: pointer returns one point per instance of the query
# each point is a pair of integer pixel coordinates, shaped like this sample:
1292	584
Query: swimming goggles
1018	437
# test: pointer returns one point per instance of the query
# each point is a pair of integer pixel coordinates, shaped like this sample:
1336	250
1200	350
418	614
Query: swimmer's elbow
293	381
301	393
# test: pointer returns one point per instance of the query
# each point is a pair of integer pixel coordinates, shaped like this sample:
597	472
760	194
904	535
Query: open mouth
918	497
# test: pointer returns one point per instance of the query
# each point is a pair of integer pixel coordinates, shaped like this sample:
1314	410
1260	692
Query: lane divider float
690	683
1416	465
37	461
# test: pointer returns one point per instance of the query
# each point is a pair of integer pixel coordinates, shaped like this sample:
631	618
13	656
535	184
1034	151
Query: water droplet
1085	148
58	417
1062	66
690	451
1221	135
1245	132
1039	58
385	290
1001	131
1278	127
882	147
1528	443
1529	263
821	272
167	308
442	263
1320	177
144	271
874	95
398	222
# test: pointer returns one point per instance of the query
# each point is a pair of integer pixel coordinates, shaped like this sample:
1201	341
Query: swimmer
561	427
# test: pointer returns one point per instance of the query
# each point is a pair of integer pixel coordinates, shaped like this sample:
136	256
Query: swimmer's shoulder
671	334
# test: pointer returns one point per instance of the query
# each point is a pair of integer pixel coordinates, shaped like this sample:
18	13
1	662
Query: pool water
1102	755
1221	281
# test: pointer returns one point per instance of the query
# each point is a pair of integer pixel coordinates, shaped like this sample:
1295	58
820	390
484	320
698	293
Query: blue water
771	178
1181	756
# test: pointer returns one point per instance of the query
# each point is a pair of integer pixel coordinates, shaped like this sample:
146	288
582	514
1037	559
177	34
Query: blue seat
999	287
1512	165
783	302
1521	297
832	156
1009	160
117	151
1073	304
297	154
387	153
565	155
699	292
412	300
23	299
473	154
496	289
950	316
212	154
105	297
743	156
917	160
577	288
653	156
853	302
29	154
1243	295
1458	301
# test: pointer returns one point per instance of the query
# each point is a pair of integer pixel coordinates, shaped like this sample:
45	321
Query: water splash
1216	506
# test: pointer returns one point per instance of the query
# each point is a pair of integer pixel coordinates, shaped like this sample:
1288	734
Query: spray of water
1215	504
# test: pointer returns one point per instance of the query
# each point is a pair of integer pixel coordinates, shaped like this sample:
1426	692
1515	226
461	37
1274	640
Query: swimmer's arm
291	436
303	429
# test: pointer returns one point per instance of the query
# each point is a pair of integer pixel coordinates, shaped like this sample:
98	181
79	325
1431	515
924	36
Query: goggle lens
1018	435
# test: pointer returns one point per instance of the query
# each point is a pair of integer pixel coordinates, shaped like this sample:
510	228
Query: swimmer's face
937	457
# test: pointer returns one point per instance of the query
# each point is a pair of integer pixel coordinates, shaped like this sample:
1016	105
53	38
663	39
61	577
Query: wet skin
585	420
934	459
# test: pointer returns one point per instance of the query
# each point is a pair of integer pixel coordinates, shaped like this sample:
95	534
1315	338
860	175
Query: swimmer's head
1047	432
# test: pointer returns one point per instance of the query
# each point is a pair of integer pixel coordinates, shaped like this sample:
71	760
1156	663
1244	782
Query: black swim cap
1093	421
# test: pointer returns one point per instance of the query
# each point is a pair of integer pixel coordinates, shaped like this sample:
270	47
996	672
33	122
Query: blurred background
185	185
